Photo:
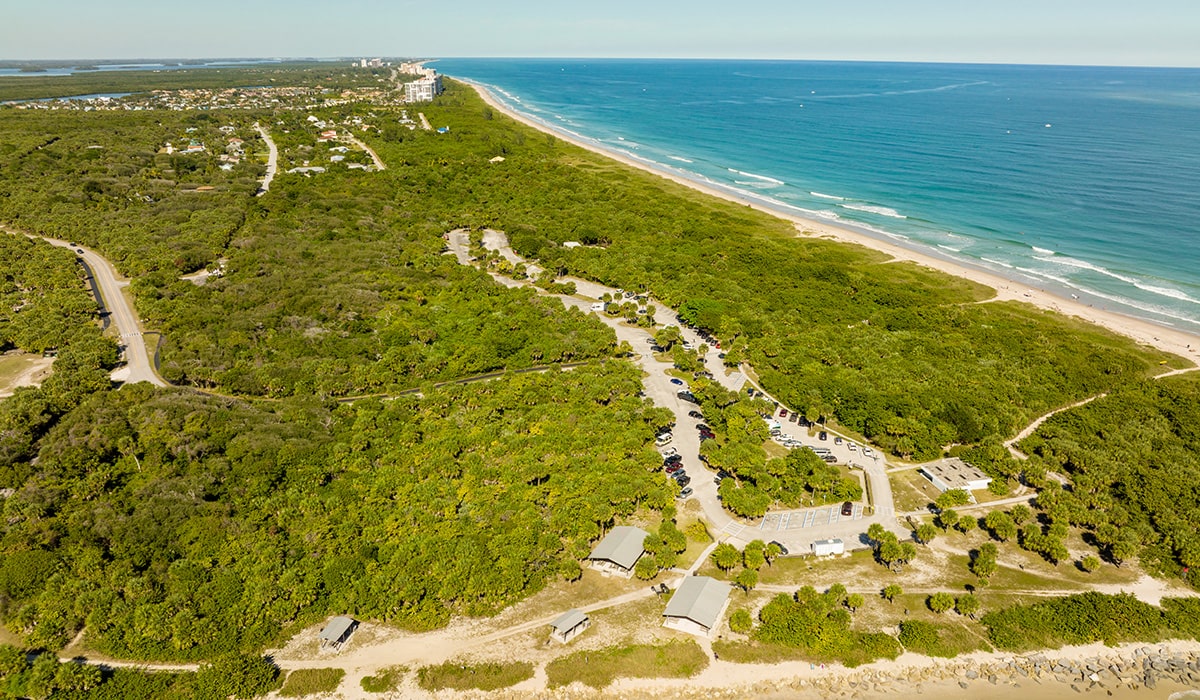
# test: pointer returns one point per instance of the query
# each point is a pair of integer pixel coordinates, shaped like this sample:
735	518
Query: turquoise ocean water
1084	181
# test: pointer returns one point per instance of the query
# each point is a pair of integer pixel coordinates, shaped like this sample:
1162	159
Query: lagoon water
1081	180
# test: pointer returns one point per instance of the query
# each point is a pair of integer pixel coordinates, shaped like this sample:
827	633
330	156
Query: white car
852	447
867	452
598	306
669	451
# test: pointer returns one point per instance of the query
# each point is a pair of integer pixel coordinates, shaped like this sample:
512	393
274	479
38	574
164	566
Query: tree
772	552
646	567
926	532
1021	514
836	593
1123	550
754	555
967	604
947	518
983	562
940	602
1089	563
854	601
726	556
951	498
746	579
741	621
12	661
891	591
77	677
668	336
966	524
1001	525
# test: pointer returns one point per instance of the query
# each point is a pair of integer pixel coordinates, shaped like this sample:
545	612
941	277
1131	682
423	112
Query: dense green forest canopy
1134	462
43	300
179	526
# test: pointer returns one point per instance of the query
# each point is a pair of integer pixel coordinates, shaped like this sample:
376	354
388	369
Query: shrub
311	681
940	602
1077	619
457	675
741	621
599	667
385	679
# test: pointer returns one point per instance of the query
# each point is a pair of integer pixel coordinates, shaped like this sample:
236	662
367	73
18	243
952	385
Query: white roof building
619	550
953	473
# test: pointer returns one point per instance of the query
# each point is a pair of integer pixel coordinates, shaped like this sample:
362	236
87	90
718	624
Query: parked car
79	250
707	436
782	550
721	355
676	382
823	435
848	508
674	467
837	440
794	417
687	396
673	459
669	451
867	452
696	414
783	413
852	447
683	480
662	439
687	491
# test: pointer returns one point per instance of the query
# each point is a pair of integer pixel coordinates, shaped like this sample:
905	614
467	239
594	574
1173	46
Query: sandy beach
1167	339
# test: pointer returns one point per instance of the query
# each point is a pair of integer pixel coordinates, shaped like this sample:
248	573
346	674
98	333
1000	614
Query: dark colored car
707	436
848	508
794	417
783	413
823	435
720	356
79	250
696	414
677	382
674	468
684	480
782	550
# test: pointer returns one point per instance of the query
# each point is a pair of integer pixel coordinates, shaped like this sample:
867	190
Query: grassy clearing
14	365
600	667
311	681
911	490
457	675
385	680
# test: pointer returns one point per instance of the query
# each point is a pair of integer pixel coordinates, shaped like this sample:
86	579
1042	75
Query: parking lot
809	517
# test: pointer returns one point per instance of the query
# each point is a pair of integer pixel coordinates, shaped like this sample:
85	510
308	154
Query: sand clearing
1162	337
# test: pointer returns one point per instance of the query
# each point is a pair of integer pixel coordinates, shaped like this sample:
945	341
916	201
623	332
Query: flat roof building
824	548
697	607
569	625
953	473
619	550
337	632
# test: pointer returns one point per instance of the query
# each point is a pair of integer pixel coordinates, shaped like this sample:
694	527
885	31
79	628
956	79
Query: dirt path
1029	430
33	375
272	161
370	151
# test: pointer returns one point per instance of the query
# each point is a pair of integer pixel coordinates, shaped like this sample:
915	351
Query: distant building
697	607
569	625
824	548
337	632
619	550
423	89
953	473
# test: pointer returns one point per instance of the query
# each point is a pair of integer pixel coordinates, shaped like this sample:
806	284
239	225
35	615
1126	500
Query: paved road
272	161
137	359
686	439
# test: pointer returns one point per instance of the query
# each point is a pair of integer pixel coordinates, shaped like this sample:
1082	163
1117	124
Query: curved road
138	367
797	529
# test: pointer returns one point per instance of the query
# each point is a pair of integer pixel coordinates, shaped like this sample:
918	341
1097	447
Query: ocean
1083	181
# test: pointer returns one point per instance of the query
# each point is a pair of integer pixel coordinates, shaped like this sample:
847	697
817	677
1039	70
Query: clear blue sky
1120	32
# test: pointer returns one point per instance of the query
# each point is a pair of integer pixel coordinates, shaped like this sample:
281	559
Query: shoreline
1146	332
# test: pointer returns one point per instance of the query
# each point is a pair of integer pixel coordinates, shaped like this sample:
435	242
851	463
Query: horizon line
284	59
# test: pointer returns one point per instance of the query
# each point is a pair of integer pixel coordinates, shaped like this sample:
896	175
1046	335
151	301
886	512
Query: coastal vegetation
462	501
306	464
458	675
599	667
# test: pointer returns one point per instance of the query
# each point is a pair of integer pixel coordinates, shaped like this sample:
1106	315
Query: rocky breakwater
1132	668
